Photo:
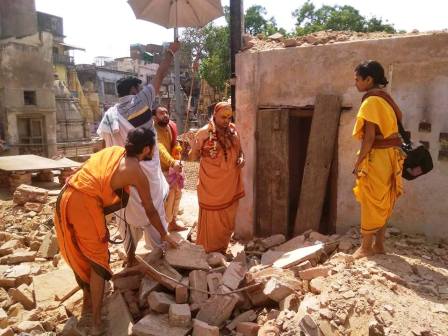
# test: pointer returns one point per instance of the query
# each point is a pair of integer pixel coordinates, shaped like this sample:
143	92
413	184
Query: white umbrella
177	13
174	14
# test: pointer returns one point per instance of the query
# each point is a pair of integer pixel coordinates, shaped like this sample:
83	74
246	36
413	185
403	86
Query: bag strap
383	94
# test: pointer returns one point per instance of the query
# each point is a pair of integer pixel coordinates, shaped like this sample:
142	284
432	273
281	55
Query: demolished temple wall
417	68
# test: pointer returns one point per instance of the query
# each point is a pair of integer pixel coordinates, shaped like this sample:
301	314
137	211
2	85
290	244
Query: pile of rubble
278	41
308	285
28	262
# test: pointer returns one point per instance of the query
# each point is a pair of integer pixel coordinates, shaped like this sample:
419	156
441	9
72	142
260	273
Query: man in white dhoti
134	110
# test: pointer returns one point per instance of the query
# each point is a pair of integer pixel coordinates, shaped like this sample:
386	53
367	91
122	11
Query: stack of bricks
45	176
65	173
18	178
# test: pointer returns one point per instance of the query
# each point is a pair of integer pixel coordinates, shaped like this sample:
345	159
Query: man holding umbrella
133	110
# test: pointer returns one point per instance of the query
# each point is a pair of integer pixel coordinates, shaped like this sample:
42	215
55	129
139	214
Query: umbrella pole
177	85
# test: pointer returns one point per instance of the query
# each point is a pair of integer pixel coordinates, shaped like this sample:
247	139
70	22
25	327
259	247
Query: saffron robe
379	182
219	189
79	216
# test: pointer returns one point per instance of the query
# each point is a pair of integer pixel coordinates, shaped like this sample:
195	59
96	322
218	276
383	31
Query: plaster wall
417	68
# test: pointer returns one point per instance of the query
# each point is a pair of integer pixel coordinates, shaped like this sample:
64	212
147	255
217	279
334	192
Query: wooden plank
272	182
318	163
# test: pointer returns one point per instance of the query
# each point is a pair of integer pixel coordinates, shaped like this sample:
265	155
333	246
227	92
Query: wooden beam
318	162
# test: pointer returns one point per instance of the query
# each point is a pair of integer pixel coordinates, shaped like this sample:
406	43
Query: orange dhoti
79	216
83	235
219	189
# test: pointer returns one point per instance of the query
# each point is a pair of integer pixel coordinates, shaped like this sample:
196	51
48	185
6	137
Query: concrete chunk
24	295
53	284
9	247
18	257
119	317
311	273
247	328
179	315
49	247
292	244
160	302
26	193
181	292
217	310
234	274
201	328
147	286
278	290
29	326
187	256
198	280
247	316
298	256
128	283
157	325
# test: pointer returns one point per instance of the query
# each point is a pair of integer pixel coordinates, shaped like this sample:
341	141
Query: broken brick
160	302
24	295
311	273
32	206
181	292
272	241
217	309
198	280
128	283
233	275
6	332
247	316
147	285
26	193
214	280
179	315
247	328
201	328
317	285
49	247
277	289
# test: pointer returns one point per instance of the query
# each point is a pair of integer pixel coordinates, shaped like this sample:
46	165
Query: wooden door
272	180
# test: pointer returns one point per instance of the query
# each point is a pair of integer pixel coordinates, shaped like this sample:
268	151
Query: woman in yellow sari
380	160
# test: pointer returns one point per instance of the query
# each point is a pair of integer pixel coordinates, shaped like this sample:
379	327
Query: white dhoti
114	129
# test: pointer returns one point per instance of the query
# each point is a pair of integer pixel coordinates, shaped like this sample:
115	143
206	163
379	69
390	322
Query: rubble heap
308	285
278	41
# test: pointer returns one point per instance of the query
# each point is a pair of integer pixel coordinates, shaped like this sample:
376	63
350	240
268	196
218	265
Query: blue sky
108	27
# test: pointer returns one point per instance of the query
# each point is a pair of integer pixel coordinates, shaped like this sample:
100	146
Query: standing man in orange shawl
101	187
169	150
379	164
220	186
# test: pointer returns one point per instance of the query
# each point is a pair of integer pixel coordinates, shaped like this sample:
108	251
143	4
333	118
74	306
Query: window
109	88
29	97
31	135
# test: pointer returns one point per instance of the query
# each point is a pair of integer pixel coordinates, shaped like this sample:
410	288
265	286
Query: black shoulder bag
418	161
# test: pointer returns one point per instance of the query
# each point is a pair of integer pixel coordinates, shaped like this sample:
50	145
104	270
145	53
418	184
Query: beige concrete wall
417	67
25	64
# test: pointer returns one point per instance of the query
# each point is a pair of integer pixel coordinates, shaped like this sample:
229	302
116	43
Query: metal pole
178	113
236	34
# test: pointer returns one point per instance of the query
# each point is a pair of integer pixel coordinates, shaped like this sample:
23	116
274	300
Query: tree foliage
255	22
310	19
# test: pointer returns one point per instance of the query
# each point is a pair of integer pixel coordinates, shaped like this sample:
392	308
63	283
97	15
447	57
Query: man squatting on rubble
133	110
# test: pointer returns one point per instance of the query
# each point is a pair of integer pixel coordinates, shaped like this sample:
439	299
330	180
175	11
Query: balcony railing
63	59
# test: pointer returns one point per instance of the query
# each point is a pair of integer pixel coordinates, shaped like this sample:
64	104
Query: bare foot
174	227
361	253
379	249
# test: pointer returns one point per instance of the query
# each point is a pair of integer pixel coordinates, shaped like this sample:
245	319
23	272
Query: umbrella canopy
177	13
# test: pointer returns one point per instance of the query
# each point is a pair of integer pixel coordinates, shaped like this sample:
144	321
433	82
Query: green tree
255	22
309	20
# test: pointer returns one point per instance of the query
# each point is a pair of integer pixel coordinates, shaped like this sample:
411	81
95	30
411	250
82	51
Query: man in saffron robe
379	164
100	187
220	186
166	130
